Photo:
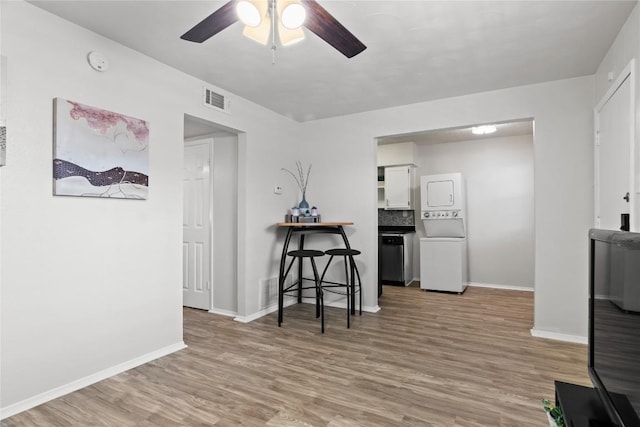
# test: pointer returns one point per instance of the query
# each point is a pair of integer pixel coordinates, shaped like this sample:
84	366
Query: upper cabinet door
440	194
397	187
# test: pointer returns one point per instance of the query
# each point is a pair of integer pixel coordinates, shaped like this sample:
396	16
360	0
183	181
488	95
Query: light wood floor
426	359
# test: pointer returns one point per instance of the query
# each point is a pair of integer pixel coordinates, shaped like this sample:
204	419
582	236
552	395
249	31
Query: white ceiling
416	50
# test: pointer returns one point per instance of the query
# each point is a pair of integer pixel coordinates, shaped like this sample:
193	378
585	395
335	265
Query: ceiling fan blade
325	26
212	24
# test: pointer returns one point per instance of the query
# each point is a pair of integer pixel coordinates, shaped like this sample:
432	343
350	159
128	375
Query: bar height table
303	228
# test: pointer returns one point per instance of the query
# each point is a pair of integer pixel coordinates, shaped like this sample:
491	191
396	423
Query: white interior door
615	156
196	247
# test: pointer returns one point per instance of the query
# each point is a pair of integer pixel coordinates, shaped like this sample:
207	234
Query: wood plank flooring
426	359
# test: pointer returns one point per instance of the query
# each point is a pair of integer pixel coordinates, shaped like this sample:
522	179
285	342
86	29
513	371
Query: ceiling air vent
215	100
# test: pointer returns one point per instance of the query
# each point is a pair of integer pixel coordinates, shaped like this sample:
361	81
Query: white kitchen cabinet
398	192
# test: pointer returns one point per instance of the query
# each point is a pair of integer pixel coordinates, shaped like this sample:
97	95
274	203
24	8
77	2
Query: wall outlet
277	190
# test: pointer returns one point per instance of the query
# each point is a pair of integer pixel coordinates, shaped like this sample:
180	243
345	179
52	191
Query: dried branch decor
301	179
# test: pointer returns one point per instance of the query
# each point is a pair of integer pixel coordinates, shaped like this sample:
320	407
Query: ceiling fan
262	18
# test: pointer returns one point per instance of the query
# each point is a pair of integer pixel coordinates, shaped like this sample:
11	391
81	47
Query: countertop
312	224
396	229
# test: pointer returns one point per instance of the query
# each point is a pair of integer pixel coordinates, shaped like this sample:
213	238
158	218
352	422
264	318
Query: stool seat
305	253
342	252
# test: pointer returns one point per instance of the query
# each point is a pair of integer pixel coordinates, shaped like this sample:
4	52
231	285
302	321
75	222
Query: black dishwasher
391	259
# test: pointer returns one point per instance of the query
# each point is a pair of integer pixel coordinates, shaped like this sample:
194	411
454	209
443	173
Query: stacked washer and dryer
443	252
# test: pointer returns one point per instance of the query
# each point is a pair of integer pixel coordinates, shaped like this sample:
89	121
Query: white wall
622	51
92	286
498	175
225	224
343	150
625	47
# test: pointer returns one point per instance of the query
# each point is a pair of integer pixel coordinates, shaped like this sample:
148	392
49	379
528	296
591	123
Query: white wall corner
274	307
222	312
577	339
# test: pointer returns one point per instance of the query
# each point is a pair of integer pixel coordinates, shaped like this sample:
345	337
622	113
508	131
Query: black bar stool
300	255
349	285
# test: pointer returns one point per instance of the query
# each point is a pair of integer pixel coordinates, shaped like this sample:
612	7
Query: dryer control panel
442	214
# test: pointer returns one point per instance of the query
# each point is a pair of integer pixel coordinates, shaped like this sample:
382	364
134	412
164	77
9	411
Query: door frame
628	72
240	314
209	142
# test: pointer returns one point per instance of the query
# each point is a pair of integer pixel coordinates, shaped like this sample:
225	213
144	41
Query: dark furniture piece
301	229
348	288
614	323
297	287
581	406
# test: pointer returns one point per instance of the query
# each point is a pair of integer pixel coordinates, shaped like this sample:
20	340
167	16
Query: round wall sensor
98	61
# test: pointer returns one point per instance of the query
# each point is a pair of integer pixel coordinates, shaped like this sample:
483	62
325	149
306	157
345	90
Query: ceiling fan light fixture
264	18
289	36
260	33
293	15
248	13
484	129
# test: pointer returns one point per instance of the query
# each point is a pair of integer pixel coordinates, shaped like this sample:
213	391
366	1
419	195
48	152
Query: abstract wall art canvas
99	153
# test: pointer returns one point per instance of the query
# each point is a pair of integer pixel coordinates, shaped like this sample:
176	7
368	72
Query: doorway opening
498	176
210	217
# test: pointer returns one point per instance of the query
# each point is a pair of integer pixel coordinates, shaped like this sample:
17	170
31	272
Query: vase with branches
302	179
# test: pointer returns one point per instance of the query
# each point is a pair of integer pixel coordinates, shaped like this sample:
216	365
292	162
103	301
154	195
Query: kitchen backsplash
393	217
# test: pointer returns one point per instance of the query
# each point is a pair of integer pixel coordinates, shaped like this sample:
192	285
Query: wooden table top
312	224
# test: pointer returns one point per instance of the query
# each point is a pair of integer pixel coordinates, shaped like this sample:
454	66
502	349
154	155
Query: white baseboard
258	314
506	287
221	312
577	339
46	396
292	300
374	309
342	304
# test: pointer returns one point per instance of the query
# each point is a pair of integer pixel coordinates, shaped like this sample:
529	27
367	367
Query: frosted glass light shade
248	13
260	32
288	36
293	15
256	16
